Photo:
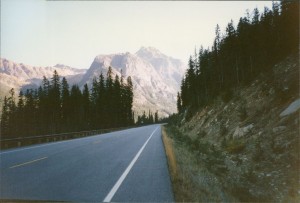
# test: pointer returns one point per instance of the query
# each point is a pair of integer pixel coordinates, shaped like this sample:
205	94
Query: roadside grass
168	143
192	181
182	188
236	170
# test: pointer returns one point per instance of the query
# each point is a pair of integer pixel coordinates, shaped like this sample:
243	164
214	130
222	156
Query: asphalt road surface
122	166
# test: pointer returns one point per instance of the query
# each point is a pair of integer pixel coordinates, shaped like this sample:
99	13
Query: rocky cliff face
156	77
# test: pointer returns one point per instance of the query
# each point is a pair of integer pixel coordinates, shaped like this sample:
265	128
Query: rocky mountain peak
156	77
149	52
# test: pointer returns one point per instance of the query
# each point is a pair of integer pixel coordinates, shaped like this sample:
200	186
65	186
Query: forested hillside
55	107
259	41
236	134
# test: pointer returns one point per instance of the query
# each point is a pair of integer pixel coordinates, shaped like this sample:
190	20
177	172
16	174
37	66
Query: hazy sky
44	33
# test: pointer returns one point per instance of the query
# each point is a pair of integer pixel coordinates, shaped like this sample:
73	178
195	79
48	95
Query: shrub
226	96
242	112
223	129
235	146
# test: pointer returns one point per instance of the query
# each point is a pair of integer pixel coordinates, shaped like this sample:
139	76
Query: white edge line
112	192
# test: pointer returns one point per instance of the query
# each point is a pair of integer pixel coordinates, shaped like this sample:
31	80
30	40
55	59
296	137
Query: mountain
18	75
156	77
171	69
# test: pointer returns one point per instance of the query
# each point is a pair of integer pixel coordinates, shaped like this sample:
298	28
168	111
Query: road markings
96	142
57	142
29	162
113	191
38	146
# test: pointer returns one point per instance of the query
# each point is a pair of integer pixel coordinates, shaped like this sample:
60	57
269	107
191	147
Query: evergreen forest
150	119
55	107
236	57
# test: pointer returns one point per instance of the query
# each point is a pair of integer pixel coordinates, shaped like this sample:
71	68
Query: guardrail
24	141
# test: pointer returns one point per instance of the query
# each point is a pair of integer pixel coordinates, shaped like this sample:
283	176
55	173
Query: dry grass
181	184
235	146
168	143
190	183
191	180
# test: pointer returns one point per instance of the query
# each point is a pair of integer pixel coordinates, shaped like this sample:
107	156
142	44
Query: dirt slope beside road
245	148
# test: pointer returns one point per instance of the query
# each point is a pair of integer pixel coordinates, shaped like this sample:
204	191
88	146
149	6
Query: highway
122	166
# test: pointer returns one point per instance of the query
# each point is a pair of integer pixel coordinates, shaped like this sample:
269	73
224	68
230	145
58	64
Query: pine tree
156	117
30	112
150	118
44	107
21	101
11	100
65	105
132	121
219	68
101	102
129	101
116	102
183	93
94	103
139	120
12	112
86	107
94	91
20	115
123	102
144	118
46	86
289	26
5	118
190	82
76	109
179	103
255	18
109	111
54	101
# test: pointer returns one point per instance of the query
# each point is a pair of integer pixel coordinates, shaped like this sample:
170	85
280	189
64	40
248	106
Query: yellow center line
29	162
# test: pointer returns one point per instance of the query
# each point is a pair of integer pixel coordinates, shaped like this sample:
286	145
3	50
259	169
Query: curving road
122	166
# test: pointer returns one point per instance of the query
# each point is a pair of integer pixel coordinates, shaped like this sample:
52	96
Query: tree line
150	119
259	41
55	107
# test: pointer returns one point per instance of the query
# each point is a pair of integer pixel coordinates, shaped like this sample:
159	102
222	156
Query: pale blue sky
44	33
